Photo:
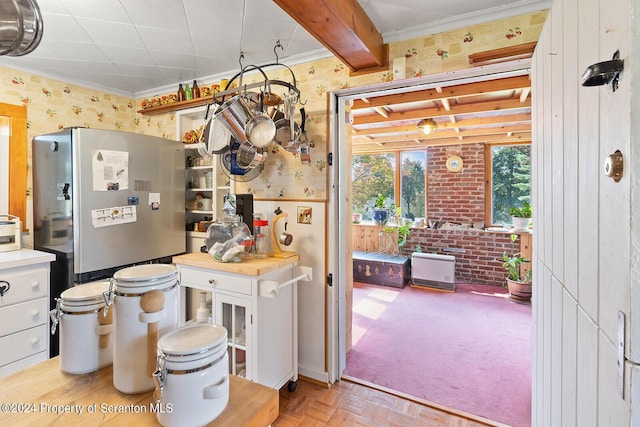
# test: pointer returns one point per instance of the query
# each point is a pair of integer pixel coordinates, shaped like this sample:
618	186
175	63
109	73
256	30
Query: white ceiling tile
166	41
107	10
174	60
127	55
105	32
157	13
63	28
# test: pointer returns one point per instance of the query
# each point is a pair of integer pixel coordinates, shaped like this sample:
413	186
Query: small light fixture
427	126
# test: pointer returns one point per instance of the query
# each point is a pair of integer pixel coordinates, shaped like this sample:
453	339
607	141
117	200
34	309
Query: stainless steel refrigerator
104	200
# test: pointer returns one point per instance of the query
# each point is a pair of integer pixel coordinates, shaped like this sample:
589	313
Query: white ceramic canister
192	380
86	344
136	330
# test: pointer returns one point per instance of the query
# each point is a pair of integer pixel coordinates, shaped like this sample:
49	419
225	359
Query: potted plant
519	283
380	211
520	217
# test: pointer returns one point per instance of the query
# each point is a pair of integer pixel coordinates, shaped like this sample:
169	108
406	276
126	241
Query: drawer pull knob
212	281
35	340
4	287
35	314
35	284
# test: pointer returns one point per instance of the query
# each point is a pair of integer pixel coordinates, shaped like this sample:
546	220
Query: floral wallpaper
54	104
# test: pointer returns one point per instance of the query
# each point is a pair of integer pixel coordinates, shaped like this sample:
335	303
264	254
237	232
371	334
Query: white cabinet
256	301
24	309
204	177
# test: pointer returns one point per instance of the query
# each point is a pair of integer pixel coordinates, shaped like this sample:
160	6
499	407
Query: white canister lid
145	274
198	338
88	293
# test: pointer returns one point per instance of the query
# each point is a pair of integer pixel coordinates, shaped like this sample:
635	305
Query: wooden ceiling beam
437	94
362	148
343	27
448	133
421	113
462	123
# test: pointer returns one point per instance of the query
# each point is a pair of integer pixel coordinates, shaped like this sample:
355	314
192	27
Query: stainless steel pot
20	27
285	238
261	129
235	113
249	157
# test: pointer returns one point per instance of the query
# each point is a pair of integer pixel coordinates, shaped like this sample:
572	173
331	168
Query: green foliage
380	202
371	175
523	212
511	179
402	231
512	263
413	188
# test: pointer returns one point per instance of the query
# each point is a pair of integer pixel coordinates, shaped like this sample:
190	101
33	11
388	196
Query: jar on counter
260	233
85	328
229	239
136	325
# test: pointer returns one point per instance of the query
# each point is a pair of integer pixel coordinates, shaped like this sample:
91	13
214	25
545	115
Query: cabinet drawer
215	280
23	344
25	315
24	285
23	363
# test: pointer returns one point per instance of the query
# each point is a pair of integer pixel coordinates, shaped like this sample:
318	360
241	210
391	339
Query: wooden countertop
249	267
34	395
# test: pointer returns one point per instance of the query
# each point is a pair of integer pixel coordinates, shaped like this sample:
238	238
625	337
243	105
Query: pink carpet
469	350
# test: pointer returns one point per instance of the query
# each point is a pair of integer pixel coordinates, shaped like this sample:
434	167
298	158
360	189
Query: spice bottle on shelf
187	91
195	90
181	93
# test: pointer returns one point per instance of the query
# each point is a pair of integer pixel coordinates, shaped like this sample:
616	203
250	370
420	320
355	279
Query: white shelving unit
196	166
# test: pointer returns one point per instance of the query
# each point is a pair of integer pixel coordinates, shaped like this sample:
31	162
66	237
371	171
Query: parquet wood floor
347	404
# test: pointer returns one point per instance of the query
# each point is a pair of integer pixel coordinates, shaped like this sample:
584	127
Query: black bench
381	269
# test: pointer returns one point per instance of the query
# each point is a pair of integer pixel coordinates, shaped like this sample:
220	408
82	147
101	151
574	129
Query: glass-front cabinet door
235	315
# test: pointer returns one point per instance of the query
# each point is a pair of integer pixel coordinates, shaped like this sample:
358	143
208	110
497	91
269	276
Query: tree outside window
375	174
371	175
510	180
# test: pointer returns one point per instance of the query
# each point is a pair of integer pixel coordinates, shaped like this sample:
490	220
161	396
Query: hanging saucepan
287	136
249	157
285	238
261	129
216	136
235	113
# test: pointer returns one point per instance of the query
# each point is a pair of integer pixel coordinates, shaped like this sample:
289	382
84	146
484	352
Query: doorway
340	296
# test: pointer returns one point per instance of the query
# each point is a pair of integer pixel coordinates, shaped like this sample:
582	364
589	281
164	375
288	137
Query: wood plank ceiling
493	111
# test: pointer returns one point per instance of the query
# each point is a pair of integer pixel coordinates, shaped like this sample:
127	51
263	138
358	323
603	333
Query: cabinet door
236	316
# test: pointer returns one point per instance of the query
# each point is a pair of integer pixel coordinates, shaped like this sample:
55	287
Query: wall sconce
427	126
604	73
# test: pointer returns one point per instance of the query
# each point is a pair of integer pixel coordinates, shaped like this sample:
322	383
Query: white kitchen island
256	301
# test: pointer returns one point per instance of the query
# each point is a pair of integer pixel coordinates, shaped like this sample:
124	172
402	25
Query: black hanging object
604	72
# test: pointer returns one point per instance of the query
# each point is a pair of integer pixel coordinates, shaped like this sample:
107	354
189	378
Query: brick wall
482	250
456	196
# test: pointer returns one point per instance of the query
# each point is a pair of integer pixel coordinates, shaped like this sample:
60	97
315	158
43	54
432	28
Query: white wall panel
547	350
613	411
309	243
582	247
555	396
614	273
557	144
590	167
571	77
569	357
587	368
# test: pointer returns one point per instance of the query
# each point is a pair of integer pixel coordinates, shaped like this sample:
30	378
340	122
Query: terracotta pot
519	292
